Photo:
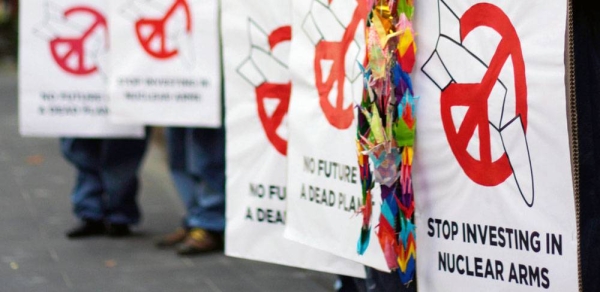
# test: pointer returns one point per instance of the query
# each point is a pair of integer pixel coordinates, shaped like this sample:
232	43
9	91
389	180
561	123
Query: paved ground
35	211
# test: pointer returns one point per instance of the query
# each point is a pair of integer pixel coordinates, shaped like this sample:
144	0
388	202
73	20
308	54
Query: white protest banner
165	63
256	45
63	47
493	188
324	191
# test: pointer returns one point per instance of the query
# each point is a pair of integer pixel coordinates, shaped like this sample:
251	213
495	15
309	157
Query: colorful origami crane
386	132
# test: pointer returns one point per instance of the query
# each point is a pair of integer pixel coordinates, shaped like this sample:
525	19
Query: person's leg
587	85
206	214
86	197
183	180
349	284
378	281
206	157
121	160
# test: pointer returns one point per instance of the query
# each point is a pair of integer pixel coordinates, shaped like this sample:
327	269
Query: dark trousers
376	281
587	81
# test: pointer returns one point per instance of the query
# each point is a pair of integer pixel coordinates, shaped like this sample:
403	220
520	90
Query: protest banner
493	184
63	50
256	44
165	62
324	191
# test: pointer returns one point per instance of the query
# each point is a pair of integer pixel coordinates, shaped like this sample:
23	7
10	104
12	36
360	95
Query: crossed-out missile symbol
77	37
339	46
163	28
485	122
266	68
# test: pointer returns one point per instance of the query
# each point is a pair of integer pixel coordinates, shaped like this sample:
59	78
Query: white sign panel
324	191
165	62
493	189
256	38
63	48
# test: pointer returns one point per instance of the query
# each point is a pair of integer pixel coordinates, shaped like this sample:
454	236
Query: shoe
172	239
200	241
87	228
118	230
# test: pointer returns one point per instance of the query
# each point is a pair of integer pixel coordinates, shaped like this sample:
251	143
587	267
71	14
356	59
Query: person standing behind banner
104	196
586	30
376	281
197	165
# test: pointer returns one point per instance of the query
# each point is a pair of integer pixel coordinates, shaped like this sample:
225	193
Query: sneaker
200	241
118	230
87	228
172	239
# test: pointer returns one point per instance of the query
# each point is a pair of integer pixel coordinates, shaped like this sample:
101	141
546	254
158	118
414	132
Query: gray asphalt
35	182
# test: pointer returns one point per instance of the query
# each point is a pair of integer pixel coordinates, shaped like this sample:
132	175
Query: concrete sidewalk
35	212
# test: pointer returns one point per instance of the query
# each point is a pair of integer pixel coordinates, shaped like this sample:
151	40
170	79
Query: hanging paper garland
386	132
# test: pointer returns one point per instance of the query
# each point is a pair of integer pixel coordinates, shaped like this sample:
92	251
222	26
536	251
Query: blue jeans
107	178
197	164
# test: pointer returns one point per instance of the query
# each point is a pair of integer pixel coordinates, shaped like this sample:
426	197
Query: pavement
35	211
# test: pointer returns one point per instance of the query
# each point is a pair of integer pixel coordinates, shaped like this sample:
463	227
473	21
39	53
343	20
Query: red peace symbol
281	92
337	115
157	28
76	45
484	171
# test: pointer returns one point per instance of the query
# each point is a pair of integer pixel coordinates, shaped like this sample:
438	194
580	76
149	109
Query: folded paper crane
386	132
